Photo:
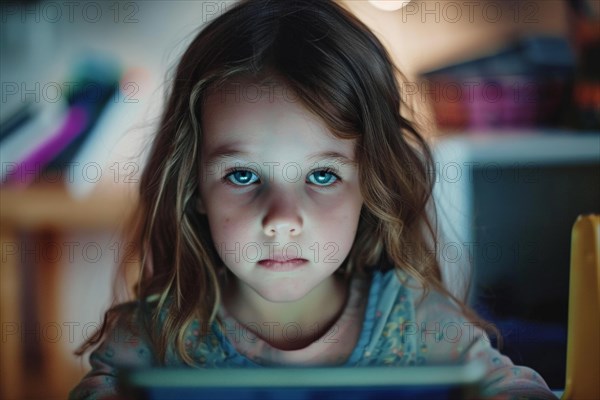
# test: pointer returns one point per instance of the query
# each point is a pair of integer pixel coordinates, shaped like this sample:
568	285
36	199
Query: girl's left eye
323	177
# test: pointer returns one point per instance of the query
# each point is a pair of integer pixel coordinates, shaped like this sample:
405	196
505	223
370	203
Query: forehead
265	113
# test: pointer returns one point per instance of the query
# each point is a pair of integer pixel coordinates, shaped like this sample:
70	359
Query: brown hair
343	74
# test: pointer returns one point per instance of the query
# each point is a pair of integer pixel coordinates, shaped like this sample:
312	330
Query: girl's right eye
240	177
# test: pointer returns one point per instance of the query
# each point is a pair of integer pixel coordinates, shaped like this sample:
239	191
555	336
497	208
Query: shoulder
425	321
126	340
390	287
125	344
428	303
418	326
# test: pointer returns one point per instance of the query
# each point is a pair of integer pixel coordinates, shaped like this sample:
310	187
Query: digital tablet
415	382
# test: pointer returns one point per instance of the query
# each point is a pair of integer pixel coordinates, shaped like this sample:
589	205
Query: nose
282	218
281	229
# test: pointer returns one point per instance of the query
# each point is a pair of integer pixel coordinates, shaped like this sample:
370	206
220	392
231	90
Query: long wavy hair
343	74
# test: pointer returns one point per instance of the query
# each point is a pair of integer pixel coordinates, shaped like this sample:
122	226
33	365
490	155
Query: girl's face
282	201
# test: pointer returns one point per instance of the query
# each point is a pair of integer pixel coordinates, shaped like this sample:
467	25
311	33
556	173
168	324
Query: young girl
283	215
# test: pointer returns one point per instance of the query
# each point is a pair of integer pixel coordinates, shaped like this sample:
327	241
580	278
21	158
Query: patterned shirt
397	326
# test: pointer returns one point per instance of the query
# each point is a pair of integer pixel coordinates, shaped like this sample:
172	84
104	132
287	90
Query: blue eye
242	176
324	177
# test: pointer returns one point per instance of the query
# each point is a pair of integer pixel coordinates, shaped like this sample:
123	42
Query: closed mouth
290	264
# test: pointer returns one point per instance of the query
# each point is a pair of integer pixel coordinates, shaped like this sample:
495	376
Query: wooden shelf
51	206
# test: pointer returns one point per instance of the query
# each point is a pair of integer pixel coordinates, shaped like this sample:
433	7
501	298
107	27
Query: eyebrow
227	152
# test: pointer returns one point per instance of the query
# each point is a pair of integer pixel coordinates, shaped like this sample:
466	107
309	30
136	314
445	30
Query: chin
283	295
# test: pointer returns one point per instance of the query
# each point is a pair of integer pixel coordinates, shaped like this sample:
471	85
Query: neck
319	308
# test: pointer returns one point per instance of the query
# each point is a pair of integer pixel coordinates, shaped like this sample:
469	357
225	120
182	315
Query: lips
283	265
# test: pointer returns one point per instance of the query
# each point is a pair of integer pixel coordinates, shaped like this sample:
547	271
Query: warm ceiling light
389	5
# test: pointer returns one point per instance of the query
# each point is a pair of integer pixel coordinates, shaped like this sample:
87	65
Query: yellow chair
583	341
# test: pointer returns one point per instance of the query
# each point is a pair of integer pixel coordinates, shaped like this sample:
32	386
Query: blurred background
508	92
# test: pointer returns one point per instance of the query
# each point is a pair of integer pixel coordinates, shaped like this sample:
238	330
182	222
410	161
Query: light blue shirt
401	327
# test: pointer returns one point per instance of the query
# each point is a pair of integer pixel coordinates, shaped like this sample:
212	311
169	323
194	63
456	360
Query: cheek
338	224
340	231
229	226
